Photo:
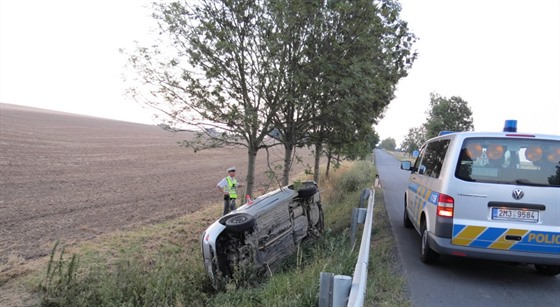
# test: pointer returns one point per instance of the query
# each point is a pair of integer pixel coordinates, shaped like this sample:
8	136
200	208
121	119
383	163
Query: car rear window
517	161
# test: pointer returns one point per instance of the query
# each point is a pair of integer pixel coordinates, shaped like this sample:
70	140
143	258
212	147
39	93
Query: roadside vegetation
161	265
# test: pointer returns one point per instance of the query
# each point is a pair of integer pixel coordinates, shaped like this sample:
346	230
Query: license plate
522	215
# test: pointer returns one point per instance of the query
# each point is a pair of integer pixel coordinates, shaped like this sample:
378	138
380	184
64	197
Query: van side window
417	166
434	156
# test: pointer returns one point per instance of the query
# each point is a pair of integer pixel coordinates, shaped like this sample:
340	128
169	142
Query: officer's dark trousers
229	205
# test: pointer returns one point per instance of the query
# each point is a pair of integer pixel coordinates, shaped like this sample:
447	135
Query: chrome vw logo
517	194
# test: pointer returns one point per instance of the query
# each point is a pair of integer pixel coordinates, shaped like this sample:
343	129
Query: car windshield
518	161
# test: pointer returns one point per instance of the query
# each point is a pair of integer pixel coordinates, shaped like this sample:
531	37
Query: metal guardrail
342	290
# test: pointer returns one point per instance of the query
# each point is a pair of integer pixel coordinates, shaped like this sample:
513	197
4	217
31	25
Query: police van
487	195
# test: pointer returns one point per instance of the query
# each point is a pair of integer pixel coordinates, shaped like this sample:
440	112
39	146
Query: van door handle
513	238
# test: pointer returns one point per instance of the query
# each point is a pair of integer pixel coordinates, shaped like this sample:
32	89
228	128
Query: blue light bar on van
446	132
510	125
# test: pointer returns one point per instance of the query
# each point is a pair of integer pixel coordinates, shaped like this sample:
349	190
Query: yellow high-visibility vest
232	184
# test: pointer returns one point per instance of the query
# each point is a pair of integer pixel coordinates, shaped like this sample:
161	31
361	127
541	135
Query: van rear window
510	161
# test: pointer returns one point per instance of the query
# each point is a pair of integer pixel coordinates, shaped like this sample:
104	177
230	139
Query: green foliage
389	144
356	179
444	114
447	114
362	50
414	139
316	72
59	278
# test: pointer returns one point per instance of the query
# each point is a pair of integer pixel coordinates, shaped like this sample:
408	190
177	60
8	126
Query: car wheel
549	270
316	222
239	222
406	220
427	255
307	191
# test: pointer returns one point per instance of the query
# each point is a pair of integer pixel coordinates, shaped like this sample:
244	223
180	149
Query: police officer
228	187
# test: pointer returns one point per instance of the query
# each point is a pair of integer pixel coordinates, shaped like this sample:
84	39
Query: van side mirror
406	165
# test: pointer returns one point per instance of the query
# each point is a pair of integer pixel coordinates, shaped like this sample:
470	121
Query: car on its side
259	234
488	195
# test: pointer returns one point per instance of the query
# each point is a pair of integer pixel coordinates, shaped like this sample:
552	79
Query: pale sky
501	56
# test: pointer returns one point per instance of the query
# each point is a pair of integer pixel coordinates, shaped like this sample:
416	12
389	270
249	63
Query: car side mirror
406	165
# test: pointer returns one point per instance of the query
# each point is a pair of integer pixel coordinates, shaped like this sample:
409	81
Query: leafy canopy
444	114
315	72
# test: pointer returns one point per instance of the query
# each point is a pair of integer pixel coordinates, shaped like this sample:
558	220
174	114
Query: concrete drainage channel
343	290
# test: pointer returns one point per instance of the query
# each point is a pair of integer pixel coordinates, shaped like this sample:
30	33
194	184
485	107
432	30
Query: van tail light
445	205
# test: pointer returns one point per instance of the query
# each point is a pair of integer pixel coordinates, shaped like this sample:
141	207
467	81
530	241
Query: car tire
427	254
239	222
548	270
307	191
406	219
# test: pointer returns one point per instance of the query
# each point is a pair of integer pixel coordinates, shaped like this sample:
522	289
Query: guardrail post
341	290
358	217
326	289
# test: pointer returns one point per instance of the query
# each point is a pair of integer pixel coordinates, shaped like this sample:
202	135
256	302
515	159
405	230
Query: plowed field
71	178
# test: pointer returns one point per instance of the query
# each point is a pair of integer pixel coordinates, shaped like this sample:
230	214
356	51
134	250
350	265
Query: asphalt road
457	281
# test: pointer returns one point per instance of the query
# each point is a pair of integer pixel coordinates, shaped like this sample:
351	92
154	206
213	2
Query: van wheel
239	222
548	270
427	255
406	220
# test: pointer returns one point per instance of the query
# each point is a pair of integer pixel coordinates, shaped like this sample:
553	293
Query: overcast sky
501	56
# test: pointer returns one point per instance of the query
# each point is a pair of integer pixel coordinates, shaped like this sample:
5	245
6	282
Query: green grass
161	265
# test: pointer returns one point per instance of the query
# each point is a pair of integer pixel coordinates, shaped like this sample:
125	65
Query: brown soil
72	178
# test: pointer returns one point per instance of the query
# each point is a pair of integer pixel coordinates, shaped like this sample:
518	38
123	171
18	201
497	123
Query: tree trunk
318	148
328	166
250	180
288	149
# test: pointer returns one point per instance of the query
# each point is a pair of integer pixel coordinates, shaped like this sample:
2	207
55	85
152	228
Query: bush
360	176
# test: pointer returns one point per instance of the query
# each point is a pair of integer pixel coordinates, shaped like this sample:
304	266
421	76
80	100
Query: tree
297	20
389	144
445	114
222	72
360	53
414	139
241	69
342	61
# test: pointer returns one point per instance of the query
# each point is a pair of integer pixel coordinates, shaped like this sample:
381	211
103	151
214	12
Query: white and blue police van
487	195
